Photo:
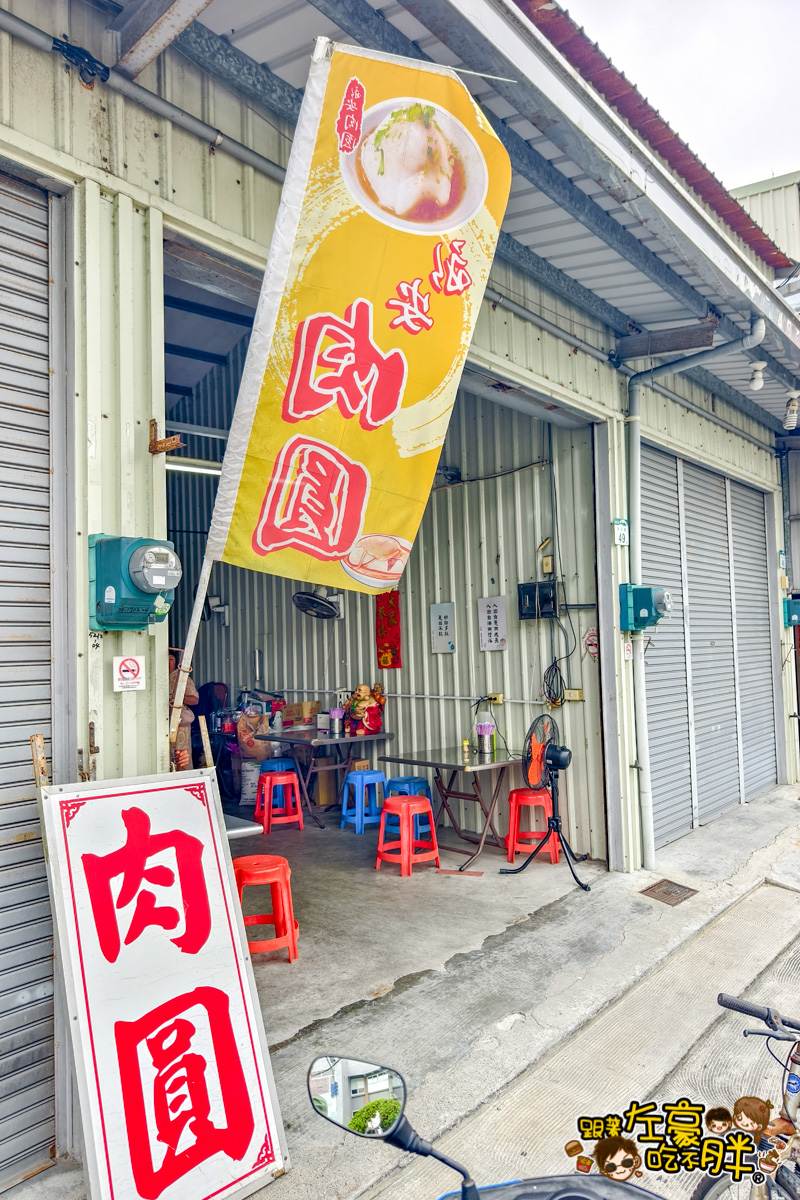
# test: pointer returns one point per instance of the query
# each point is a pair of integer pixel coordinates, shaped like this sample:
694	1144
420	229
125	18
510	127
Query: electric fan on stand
543	757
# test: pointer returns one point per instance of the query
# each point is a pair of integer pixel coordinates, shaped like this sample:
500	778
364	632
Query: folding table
454	761
317	740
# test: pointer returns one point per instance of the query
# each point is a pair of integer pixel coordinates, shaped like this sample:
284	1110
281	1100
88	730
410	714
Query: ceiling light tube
193	466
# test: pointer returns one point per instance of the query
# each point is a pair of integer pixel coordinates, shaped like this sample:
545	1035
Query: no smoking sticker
129	675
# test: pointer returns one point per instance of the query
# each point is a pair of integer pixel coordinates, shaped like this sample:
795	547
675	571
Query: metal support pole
188	649
635	562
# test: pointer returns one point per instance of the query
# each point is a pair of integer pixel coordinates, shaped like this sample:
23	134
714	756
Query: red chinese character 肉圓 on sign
351	112
354	373
450	275
412	307
133	862
183	1088
315	501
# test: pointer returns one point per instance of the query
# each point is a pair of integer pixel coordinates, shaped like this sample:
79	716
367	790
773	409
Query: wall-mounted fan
317	603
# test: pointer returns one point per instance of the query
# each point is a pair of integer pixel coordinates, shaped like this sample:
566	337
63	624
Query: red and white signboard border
60	804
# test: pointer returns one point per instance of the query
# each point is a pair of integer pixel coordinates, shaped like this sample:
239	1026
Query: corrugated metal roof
596	68
280	35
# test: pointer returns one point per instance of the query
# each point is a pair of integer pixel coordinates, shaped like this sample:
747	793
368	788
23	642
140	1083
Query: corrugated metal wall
476	539
777	211
119	485
122	140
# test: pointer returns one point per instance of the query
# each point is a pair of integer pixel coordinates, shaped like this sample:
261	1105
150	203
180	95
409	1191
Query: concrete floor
465	983
364	932
665	1039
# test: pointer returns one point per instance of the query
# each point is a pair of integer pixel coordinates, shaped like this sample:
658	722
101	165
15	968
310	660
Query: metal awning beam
358	19
499	40
240	72
206	356
147	27
208	310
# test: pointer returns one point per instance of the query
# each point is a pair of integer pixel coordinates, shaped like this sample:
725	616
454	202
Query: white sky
722	73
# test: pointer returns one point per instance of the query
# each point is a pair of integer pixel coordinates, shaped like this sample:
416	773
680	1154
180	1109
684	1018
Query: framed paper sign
177	1096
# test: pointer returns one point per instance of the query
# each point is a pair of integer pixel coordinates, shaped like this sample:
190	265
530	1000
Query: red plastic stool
268	870
411	850
520	840
292	809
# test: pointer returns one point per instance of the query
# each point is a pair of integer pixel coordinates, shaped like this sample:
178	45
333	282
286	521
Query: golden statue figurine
362	713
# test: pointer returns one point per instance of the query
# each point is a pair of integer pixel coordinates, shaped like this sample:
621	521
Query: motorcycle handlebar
562	1187
759	1011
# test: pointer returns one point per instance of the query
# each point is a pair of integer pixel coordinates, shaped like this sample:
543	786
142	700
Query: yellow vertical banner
387	228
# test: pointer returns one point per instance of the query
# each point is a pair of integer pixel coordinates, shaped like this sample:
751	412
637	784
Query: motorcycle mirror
361	1097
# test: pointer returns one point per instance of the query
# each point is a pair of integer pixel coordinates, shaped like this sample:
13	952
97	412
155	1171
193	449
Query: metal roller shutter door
665	661
749	534
26	945
710	625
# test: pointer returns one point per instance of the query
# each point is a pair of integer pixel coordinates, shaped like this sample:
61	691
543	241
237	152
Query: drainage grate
668	892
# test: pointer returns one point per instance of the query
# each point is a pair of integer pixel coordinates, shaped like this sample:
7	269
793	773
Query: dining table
313	763
447	765
239	827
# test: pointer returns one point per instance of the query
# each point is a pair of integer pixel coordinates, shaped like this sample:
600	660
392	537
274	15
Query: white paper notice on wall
443	628
176	1091
492	622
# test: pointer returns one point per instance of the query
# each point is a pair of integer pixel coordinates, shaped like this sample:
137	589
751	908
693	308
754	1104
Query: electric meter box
791	613
642	606
132	581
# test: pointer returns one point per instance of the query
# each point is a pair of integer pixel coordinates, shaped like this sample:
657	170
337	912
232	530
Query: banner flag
385	234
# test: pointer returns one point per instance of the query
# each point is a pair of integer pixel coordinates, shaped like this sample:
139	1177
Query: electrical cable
553	685
443	487
500	733
557	532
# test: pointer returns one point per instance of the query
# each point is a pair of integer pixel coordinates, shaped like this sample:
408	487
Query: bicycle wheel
722	1187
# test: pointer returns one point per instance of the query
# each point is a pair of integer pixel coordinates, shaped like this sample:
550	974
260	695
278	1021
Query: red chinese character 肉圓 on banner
315	501
354	373
132	862
450	275
183	1088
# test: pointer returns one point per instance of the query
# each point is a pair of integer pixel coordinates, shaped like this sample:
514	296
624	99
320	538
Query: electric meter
132	581
642	606
154	568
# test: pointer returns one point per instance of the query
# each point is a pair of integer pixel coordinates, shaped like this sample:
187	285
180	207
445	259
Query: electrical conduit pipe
756	335
149	100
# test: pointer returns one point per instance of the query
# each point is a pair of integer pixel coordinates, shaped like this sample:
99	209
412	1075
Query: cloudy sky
723	73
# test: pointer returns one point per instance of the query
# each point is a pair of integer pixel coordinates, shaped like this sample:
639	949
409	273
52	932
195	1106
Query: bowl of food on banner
416	167
377	559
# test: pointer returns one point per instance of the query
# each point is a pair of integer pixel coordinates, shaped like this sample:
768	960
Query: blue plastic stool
409	785
278	764
365	809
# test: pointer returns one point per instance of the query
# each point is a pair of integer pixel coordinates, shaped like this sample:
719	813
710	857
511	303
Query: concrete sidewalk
461	1034
495	979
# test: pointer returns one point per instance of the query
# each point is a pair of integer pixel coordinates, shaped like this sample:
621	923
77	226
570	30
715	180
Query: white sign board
621	532
443	628
129	673
177	1097
492	622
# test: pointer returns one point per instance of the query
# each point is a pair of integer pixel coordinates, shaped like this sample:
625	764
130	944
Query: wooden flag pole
207	755
39	760
188	650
